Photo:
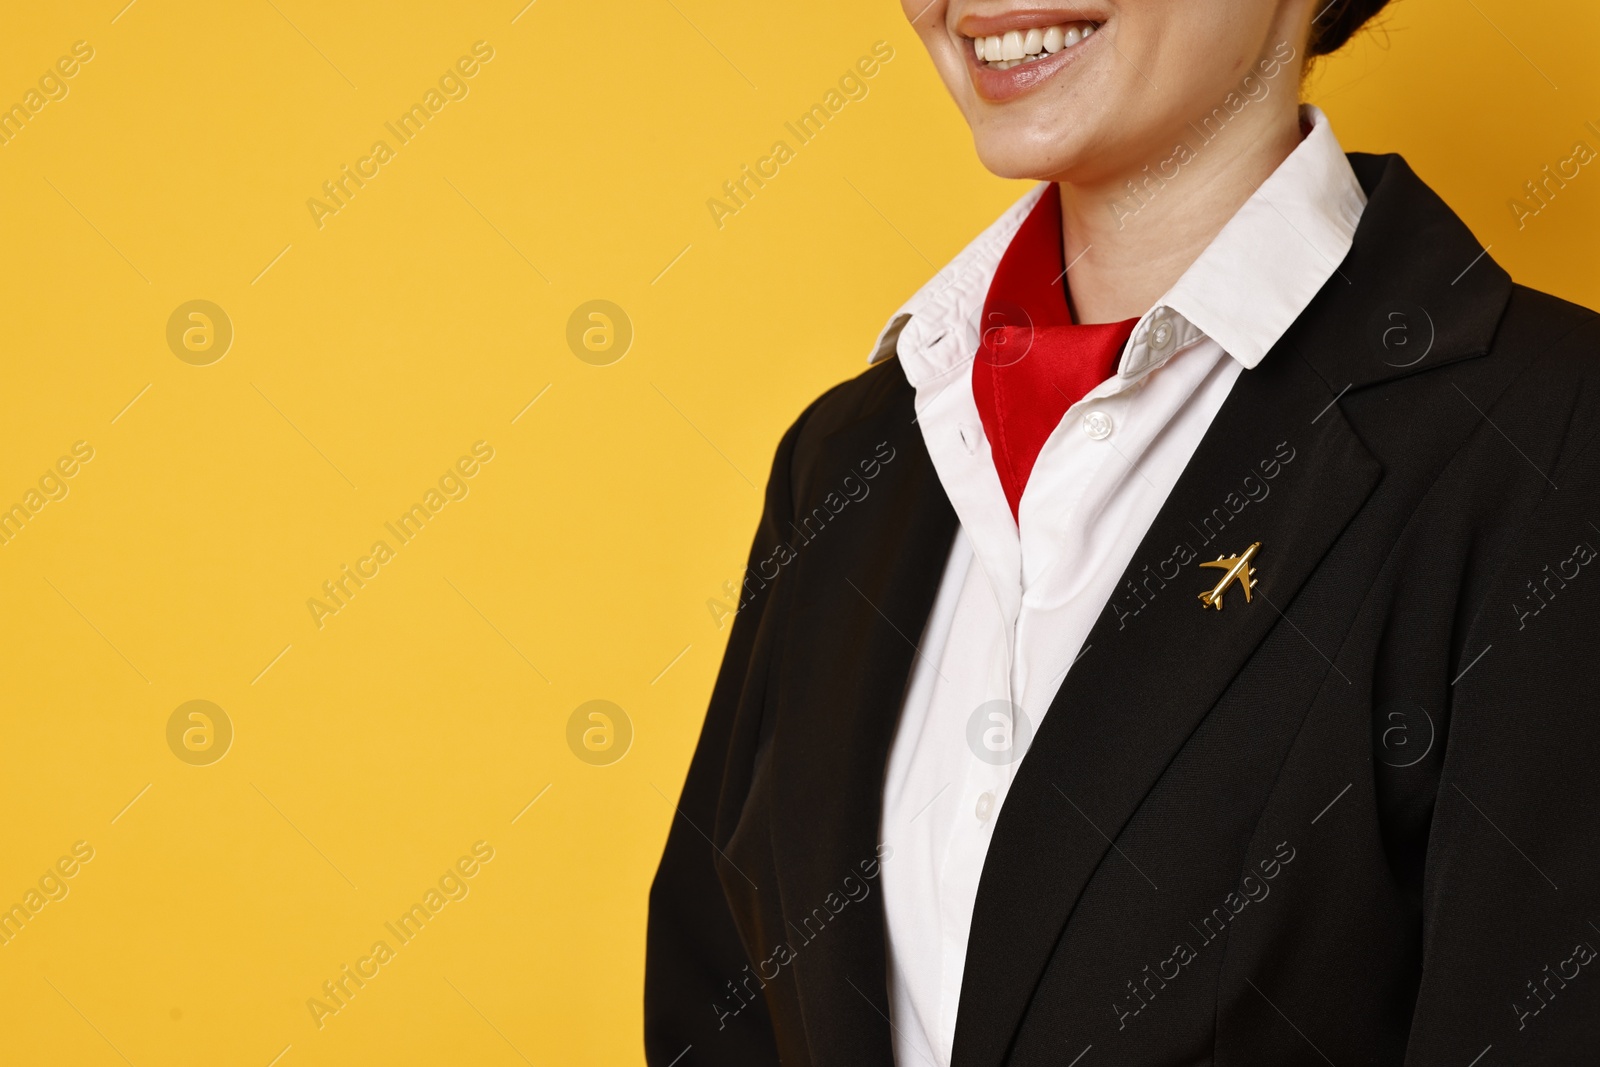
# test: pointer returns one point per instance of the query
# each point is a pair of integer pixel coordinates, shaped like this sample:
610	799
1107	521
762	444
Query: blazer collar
1422	290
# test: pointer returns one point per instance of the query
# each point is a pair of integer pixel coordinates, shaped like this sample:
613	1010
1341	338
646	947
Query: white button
1097	424
1161	334
984	807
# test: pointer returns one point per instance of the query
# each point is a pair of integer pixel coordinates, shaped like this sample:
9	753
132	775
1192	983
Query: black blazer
1352	822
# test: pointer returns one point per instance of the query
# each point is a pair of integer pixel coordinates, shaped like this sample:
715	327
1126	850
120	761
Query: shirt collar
1244	291
931	331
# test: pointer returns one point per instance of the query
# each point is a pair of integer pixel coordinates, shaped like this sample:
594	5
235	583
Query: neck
1124	251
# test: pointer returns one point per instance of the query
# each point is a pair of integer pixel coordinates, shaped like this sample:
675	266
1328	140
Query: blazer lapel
1157	661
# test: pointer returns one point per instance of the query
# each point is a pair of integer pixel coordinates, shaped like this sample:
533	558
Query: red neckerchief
1033	362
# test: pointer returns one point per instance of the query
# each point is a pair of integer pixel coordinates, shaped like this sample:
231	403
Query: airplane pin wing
1238	569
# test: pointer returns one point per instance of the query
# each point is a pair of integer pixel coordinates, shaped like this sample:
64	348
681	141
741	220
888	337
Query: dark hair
1337	22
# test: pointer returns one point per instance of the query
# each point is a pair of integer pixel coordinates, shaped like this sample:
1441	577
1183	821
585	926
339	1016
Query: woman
1175	648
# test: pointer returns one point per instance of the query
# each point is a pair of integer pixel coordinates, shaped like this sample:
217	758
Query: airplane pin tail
1238	569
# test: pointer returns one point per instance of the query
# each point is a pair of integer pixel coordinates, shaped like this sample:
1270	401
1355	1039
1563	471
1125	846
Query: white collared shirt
1018	598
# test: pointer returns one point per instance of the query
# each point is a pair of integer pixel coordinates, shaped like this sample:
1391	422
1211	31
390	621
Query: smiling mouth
1016	48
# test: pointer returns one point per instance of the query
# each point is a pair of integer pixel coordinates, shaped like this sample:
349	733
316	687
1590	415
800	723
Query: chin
1046	152
1009	159
1039	152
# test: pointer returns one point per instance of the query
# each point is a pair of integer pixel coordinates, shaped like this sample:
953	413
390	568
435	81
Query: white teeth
1015	47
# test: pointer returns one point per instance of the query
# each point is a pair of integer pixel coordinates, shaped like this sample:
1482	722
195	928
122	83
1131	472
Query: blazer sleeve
693	949
1511	929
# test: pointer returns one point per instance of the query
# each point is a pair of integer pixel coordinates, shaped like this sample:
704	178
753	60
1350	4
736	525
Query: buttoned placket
1089	438
1084	443
1001	547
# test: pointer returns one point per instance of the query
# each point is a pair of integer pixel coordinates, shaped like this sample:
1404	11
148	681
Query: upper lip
975	25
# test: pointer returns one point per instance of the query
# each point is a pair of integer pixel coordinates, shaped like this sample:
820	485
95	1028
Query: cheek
928	20
952	70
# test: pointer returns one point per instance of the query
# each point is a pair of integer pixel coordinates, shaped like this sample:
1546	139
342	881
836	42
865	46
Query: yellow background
368	355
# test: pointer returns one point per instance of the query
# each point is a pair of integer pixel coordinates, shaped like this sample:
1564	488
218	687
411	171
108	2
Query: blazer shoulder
1537	318
873	396
868	396
1547	344
1548	352
878	398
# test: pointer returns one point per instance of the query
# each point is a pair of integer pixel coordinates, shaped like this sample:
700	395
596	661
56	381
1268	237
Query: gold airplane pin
1238	568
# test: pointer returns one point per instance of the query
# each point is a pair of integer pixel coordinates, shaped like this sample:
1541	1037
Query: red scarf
1033	362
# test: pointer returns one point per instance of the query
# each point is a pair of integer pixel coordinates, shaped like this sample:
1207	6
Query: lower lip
998	86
